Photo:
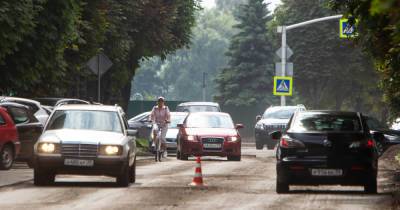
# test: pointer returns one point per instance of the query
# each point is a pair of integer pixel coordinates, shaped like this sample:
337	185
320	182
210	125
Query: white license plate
212	146
78	162
326	172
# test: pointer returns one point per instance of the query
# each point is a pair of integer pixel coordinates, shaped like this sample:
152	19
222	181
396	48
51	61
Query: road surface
248	184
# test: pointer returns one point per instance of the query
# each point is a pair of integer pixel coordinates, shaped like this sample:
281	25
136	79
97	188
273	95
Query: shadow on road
334	192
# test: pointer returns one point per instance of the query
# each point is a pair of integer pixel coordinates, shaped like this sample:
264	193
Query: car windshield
375	124
85	120
326	122
175	120
199	108
209	121
279	113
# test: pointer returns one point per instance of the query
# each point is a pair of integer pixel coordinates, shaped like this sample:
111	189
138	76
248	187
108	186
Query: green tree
180	75
379	35
330	73
247	79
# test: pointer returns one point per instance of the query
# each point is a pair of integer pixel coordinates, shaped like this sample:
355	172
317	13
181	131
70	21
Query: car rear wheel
124	178
184	157
6	157
371	187
281	187
259	145
42	177
270	147
178	155
234	158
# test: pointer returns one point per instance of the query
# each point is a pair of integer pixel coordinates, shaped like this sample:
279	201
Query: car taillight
370	143
366	144
287	142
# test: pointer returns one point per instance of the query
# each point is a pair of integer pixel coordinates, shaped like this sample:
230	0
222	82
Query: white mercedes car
86	140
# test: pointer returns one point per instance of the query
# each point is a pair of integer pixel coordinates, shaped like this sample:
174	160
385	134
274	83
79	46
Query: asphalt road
248	184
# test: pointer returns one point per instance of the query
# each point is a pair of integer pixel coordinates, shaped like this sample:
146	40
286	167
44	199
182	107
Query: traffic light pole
284	29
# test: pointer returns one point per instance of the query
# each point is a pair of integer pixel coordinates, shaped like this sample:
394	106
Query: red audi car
9	144
209	134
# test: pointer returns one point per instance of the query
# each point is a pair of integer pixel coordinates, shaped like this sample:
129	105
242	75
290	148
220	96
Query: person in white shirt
160	116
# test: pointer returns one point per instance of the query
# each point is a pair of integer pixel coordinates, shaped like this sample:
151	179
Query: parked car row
21	123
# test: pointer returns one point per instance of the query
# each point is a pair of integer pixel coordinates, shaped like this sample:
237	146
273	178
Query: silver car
87	140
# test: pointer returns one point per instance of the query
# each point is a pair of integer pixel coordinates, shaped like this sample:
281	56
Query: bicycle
157	142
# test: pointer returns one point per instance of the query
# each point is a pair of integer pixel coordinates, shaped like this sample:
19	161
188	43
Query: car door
29	129
131	139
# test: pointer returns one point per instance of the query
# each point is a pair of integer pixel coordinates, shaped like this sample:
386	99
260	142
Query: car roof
13	104
88	107
179	113
16	99
198	104
210	113
332	112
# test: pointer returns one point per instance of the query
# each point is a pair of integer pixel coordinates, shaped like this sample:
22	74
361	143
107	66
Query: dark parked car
390	137
209	134
198	107
28	127
274	118
9	143
326	147
142	124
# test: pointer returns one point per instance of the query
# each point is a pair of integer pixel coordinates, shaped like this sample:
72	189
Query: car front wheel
123	179
132	176
259	145
42	177
234	158
6	157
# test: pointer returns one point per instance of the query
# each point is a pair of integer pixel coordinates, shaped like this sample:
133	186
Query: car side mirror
239	126
275	135
258	118
132	132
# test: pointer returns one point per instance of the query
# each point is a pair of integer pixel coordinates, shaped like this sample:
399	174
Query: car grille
79	150
274	127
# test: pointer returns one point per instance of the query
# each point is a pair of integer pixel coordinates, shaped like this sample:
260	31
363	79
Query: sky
272	6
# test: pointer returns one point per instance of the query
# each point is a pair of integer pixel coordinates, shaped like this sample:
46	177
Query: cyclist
160	116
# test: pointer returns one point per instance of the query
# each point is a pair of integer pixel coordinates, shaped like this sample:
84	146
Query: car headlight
110	150
48	148
190	138
233	138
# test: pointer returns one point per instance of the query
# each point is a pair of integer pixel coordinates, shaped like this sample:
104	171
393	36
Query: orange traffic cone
198	177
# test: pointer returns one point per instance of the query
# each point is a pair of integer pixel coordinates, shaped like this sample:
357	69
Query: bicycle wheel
156	150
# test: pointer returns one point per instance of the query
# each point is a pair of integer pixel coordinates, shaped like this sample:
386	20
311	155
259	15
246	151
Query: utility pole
284	29
204	85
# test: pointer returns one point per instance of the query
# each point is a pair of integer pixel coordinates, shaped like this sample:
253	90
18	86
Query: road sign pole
283	61
98	78
204	86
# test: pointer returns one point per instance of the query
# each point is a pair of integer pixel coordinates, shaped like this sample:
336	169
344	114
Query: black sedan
326	147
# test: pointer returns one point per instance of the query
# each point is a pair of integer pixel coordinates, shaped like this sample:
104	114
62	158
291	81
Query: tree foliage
379	34
47	55
180	75
329	72
247	79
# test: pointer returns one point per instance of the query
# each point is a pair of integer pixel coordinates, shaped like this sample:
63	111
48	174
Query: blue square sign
283	86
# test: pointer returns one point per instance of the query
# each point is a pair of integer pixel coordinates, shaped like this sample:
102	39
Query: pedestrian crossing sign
283	86
347	30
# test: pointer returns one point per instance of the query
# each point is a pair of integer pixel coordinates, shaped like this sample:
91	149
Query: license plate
78	162
326	172
212	146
